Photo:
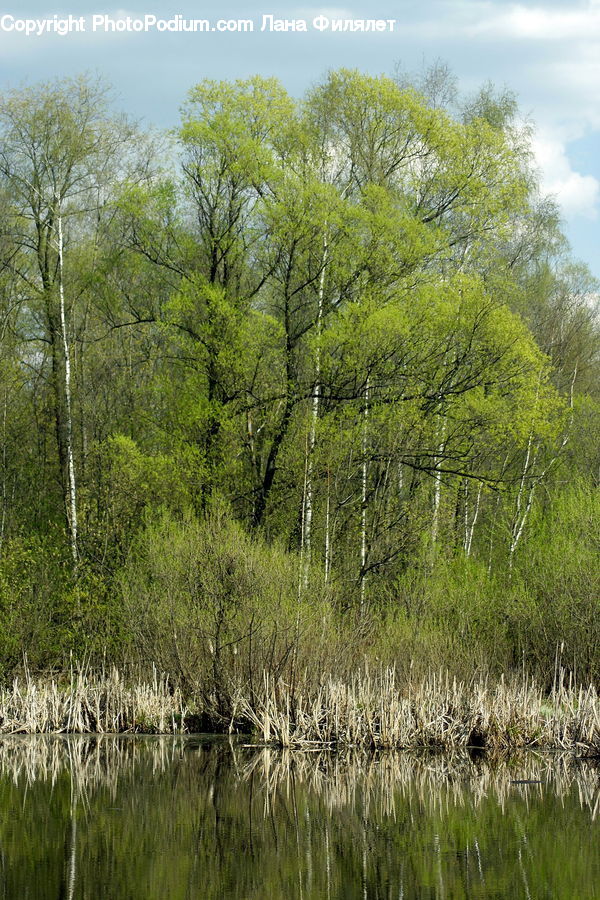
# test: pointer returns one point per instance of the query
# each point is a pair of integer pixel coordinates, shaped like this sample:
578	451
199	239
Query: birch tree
59	149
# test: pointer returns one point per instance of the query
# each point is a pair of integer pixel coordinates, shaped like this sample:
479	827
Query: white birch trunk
470	529
304	566
363	511
72	484
307	517
522	505
71	861
437	491
519	517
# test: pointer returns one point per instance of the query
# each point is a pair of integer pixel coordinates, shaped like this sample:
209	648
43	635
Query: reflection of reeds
86	703
378	712
432	780
378	782
91	762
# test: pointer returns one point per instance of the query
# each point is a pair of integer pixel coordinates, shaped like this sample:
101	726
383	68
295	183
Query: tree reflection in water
187	817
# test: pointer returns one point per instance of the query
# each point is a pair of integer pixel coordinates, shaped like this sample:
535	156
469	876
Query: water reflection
185	817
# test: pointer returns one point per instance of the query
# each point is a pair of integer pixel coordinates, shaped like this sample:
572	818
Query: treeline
302	384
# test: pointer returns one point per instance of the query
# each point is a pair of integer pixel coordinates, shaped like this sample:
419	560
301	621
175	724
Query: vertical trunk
264	490
437	491
71	498
363	512
4	473
522	504
304	566
69	877
327	532
470	528
266	481
524	494
81	389
492	527
307	517
435	521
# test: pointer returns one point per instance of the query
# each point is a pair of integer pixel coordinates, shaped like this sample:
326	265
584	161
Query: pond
185	817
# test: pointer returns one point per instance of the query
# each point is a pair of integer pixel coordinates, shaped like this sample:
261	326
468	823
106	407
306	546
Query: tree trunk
522	505
307	518
470	527
4	473
71	498
327	532
363	511
437	491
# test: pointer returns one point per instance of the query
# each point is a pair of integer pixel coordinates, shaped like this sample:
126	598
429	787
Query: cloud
539	23
578	195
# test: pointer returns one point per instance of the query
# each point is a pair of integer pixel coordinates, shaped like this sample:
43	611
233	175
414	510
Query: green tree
58	151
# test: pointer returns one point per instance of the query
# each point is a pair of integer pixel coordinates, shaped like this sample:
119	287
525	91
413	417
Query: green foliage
349	320
49	618
557	607
217	608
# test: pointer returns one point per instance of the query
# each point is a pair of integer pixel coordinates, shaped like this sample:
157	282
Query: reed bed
374	711
93	762
88	703
381	712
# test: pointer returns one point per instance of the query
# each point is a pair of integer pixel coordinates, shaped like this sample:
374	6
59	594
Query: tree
59	149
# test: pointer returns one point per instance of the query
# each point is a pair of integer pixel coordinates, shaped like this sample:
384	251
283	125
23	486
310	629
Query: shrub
217	608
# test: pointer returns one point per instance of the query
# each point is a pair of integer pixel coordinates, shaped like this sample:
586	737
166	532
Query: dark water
171	818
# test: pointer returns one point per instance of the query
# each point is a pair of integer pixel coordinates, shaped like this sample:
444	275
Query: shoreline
369	711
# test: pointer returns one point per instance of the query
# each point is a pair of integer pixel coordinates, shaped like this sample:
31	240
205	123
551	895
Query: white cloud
332	12
489	19
537	23
577	194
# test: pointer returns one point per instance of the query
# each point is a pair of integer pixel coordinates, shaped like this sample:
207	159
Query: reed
383	781
84	702
378	711
374	711
380	783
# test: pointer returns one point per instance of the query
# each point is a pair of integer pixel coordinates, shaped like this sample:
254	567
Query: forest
304	386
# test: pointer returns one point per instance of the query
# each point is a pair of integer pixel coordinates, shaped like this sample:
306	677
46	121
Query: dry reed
378	782
373	711
378	712
87	703
435	780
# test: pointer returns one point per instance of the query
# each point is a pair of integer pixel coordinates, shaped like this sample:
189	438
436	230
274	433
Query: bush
217	608
556	614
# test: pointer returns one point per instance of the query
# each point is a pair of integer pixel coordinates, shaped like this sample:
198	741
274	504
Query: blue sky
548	53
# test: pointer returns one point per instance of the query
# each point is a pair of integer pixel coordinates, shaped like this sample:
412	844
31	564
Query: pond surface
186	817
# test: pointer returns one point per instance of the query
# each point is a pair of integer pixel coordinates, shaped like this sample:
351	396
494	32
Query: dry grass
87	703
377	712
372	711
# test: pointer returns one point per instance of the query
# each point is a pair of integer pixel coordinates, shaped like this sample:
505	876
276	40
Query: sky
547	53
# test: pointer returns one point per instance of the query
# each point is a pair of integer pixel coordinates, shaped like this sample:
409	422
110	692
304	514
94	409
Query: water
169	818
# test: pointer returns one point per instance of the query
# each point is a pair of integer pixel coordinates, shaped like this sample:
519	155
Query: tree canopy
350	318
